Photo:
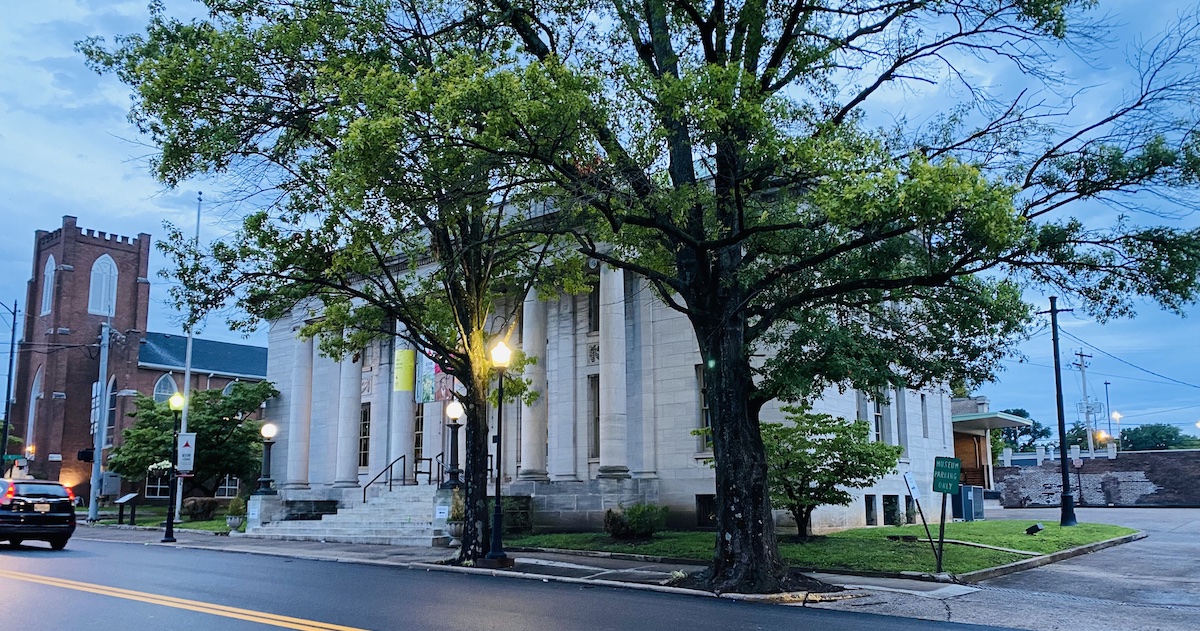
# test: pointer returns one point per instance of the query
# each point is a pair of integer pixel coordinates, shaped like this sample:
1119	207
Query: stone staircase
403	516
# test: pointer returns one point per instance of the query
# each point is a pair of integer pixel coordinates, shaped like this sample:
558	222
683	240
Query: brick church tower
81	278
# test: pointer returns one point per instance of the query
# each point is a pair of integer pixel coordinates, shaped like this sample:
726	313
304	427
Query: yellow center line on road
181	603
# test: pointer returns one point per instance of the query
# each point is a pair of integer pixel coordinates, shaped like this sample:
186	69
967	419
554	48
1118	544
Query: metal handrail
387	470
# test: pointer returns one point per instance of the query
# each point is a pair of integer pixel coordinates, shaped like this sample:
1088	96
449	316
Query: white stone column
299	415
403	412
349	410
534	416
613	459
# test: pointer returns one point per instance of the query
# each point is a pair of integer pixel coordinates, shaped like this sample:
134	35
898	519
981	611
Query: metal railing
387	470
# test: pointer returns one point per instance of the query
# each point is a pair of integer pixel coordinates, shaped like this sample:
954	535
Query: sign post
947	473
916	495
187	453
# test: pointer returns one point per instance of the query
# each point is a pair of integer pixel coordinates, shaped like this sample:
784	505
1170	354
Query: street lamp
268	432
495	556
454	411
176	402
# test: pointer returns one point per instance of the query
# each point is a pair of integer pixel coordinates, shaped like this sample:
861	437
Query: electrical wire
1127	363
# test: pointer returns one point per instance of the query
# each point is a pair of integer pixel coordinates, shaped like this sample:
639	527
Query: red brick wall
1135	478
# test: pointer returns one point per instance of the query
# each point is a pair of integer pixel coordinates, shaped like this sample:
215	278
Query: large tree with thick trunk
381	207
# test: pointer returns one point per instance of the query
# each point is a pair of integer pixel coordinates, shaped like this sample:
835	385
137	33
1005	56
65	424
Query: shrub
639	521
200	508
237	507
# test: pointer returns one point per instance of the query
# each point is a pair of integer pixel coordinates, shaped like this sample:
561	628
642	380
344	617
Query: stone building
82	279
619	376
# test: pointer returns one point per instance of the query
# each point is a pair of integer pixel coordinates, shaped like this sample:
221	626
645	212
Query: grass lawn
863	549
156	515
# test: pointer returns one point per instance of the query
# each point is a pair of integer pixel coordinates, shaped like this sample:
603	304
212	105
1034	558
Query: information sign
947	473
187	452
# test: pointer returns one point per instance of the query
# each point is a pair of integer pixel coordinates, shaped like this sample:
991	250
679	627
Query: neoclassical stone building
621	395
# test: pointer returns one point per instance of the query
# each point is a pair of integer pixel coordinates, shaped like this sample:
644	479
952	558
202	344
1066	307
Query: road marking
261	617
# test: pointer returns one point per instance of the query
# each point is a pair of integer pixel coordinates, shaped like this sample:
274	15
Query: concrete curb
1054	557
623	556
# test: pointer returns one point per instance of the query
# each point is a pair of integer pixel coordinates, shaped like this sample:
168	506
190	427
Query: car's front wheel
58	543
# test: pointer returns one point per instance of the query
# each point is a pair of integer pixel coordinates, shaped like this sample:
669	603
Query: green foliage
227	440
237	507
814	458
1153	436
639	521
457	507
1024	438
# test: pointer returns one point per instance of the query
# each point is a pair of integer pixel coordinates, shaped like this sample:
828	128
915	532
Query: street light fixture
268	432
176	403
454	411
496	558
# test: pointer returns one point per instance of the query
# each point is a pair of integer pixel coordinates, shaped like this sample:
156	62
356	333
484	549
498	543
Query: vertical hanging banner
425	375
405	362
187	452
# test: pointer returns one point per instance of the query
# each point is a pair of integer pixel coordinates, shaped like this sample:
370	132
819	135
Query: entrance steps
400	517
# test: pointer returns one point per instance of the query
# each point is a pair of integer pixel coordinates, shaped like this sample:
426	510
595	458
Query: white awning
988	420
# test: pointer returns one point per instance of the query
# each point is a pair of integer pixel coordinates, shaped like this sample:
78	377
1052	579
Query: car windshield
40	490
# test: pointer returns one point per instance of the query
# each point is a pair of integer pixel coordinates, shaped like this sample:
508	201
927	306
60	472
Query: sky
66	148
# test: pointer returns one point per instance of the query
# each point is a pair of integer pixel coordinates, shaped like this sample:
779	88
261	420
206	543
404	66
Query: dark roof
161	350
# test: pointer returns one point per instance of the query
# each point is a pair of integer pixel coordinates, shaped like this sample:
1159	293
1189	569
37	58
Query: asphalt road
98	586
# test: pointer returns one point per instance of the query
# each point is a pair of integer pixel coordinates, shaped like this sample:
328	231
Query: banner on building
405	362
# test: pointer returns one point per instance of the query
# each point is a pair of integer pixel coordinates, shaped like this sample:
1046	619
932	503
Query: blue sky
66	148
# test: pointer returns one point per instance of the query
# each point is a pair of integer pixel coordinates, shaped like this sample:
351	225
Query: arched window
48	285
35	394
164	388
102	293
228	389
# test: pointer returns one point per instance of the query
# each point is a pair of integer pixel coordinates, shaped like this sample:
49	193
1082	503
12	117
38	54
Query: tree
393	211
722	151
743	180
227	439
1020	439
814	458
1152	436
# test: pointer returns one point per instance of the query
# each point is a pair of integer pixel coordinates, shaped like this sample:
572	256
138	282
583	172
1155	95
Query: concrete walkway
1153	583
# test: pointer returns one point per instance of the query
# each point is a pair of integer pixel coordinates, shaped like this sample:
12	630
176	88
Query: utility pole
99	436
1067	517
1108	410
187	360
1087	401
12	363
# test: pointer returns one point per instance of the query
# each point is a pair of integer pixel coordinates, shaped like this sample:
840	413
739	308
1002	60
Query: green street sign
12	457
946	474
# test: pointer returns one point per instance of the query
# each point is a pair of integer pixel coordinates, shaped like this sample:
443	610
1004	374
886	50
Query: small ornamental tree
815	458
226	442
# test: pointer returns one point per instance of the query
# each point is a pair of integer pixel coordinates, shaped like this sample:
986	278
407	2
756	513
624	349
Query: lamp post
495	556
268	432
454	411
177	403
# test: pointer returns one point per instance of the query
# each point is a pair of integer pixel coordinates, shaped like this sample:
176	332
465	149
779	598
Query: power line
1130	364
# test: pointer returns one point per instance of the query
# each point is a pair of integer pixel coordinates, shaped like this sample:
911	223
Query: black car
36	509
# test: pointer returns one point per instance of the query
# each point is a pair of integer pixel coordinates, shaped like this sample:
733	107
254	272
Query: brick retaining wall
1144	478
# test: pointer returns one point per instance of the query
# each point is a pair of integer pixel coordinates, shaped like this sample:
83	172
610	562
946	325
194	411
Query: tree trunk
475	473
746	558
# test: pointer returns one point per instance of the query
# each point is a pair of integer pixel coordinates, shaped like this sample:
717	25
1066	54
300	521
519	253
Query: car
41	510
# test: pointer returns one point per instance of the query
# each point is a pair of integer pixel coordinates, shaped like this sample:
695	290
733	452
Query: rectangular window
705	420
228	487
418	433
594	309
872	512
111	425
910	510
593	383
877	420
924	416
891	511
157	487
706	511
364	436
902	420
